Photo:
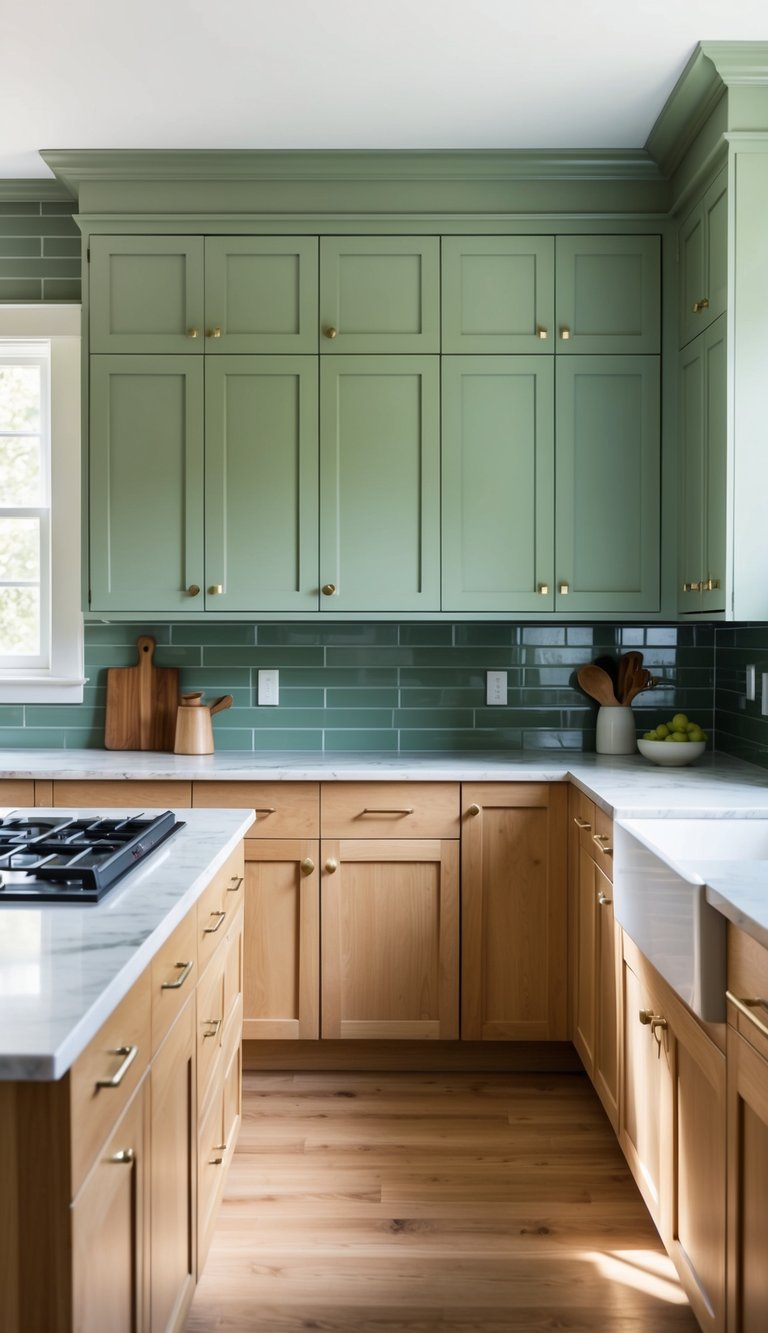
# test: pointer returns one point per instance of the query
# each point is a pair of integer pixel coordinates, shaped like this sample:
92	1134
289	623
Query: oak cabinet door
607	998
281	940
498	479
173	1193
146	294
607	484
379	294
261	294
498	294
513	912
261	486
608	294
646	1125
146	483
747	1182
379	484
390	938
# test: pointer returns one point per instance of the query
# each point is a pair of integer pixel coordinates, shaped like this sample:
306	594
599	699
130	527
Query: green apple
662	731
679	722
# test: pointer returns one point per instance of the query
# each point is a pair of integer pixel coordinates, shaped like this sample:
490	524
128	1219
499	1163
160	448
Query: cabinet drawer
210	1025
384	809
104	1078
584	819
136	795
602	842
211	1170
216	907
283	809
748	984
174	977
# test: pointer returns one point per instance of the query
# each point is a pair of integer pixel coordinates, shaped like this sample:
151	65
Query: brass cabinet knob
692	587
709	585
331	865
603	901
542	333
698	306
565	333
473	809
193	590
328	589
214	332
649	1018
563	589
216	589
307	865
330	332
124	1156
543	589
192	333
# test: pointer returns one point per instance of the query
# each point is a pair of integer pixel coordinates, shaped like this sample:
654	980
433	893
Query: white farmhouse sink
658	897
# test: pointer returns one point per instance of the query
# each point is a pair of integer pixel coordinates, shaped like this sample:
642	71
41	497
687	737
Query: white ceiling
346	73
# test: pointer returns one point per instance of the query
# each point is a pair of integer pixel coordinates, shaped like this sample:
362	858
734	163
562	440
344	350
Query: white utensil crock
615	731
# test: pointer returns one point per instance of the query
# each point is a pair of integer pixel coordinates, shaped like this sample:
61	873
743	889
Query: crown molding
32	189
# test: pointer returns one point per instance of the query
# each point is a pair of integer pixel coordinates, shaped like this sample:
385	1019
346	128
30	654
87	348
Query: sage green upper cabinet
702	484
498	483
261	484
703	254
607	484
379	294
379	484
146	483
498	294
608	295
215	294
146	294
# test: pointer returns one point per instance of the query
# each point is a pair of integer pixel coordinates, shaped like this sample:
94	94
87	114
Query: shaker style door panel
146	483
703	247
261	483
690	492
379	294
607	484
261	294
498	480
702	479
608	294
498	294
146	294
379	484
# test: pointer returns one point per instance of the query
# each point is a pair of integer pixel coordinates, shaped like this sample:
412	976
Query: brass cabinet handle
692	587
235	885
129	1054
328	589
331	865
746	1007
543	589
211	930
603	841
186	968
563	589
307	865
709	585
214	1024
581	823
264	809
542	333
650	1019
698	306
193	590
603	901
192	333
565	333
217	1161
214	332
216	589
330	332
372	810
124	1156
473	809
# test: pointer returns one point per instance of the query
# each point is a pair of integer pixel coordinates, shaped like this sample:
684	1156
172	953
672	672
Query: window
41	625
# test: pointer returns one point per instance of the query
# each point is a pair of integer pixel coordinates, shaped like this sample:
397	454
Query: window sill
29	689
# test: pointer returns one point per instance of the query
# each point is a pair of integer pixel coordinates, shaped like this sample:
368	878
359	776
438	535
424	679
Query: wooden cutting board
141	703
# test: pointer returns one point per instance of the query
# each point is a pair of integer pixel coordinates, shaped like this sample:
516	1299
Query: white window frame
62	680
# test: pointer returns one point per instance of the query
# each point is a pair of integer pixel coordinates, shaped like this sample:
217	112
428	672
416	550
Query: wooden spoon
629	667
598	684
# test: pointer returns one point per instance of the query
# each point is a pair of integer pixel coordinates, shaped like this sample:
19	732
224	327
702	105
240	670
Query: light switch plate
496	687
269	688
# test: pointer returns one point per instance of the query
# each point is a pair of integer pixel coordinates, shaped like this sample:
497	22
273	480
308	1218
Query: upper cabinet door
146	484
498	294
379	294
379	484
608	294
261	483
498	483
261	294
703	247
607	485
146	294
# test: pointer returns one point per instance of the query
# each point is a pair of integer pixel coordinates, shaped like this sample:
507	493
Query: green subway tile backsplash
39	252
410	687
741	728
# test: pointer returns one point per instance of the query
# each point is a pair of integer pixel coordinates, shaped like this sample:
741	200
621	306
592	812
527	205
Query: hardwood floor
423	1203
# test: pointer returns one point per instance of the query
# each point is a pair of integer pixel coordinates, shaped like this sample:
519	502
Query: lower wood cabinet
514	912
281	999
173	1178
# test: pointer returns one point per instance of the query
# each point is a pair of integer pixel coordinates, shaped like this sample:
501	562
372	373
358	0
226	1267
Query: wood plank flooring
425	1203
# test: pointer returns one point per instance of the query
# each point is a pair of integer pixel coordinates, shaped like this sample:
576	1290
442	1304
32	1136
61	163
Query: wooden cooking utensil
141	703
611	667
629	667
598	684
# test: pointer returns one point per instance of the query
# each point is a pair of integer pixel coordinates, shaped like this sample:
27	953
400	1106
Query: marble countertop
64	968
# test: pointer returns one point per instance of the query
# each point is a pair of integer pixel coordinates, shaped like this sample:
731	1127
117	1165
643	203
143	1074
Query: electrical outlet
751	681
496	687
269	688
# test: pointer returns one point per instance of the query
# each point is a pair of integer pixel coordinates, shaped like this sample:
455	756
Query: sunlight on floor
644	1270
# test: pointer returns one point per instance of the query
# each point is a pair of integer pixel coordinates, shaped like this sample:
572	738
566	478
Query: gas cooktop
55	859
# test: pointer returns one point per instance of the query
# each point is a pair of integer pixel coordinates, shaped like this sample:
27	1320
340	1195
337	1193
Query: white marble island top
64	968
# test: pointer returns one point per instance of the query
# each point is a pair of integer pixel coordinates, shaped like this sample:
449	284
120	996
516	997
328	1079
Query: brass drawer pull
129	1053
264	809
214	1024
211	930
179	982
603	901
124	1156
603	841
691	587
406	810
235	885
581	823
746	1008
709	585
217	1161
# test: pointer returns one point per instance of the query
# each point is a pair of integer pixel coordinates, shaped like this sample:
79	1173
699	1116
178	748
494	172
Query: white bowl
671	754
